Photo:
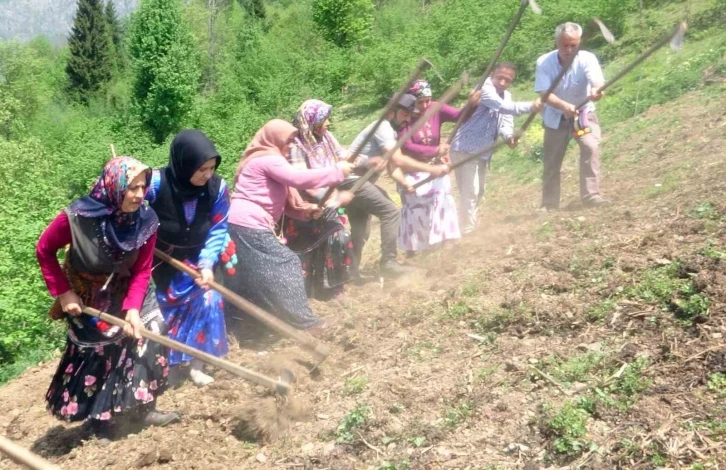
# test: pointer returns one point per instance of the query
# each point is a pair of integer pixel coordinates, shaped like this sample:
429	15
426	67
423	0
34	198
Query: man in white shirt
494	116
583	80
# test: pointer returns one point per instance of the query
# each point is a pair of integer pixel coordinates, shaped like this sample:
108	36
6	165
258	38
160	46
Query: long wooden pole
522	7
319	350
276	385
432	110
23	456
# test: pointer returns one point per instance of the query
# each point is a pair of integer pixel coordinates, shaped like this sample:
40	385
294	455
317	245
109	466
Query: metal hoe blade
679	36
535	8
609	37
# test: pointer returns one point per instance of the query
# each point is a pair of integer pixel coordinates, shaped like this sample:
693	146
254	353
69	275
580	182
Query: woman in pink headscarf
269	274
428	215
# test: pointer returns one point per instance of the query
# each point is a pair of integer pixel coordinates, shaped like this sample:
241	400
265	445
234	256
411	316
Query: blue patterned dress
195	316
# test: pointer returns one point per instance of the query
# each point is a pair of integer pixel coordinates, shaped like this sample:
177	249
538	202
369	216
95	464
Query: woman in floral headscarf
428	215
106	370
323	245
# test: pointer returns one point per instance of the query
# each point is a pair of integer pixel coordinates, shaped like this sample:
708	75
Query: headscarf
420	88
125	231
320	150
190	149
272	139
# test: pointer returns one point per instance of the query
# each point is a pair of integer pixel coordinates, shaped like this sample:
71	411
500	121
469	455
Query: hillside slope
585	337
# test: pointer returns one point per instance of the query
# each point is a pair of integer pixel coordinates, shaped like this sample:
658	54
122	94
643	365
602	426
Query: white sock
199	378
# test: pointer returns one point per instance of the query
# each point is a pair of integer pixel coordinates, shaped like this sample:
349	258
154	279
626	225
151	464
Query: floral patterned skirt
195	319
325	251
428	216
102	372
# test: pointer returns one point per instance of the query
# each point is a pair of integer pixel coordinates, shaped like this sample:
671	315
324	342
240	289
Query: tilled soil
467	362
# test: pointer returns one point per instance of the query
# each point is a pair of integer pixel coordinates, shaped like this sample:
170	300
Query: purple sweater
425	142
260	194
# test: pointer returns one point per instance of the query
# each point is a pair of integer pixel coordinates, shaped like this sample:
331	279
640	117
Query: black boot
392	268
151	417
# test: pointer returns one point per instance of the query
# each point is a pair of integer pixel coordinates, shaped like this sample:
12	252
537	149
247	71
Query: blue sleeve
542	77
154	188
214	244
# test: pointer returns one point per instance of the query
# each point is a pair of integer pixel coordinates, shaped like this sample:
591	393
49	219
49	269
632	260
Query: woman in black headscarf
192	203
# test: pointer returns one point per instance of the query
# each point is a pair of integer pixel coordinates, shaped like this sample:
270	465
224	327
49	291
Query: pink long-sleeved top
58	235
424	144
260	195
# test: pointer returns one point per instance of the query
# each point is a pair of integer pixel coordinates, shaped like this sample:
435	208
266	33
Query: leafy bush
343	22
24	213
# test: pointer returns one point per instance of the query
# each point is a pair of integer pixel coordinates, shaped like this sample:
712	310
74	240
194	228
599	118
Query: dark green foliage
254	8
343	22
164	64
90	62
113	24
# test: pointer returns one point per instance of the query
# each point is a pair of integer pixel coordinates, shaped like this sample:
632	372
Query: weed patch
355	385
456	415
576	368
502	317
665	286
717	383
568	428
351	422
601	311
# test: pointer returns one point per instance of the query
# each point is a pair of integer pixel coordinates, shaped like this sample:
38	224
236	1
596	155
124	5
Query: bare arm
408	165
556	102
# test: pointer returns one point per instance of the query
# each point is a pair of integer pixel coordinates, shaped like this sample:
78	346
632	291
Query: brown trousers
555	146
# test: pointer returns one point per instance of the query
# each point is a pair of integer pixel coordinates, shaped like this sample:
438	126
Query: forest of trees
227	66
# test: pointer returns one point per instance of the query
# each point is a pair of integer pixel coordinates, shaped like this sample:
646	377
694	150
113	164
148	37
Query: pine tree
113	24
89	65
166	72
115	34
